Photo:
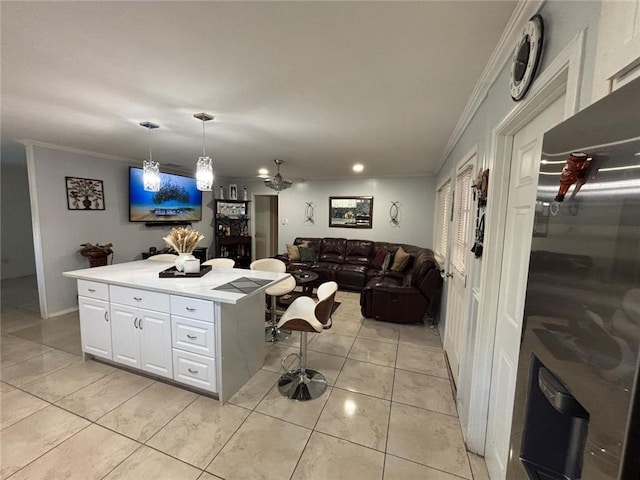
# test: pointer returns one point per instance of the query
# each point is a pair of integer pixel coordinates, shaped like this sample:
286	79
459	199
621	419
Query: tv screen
178	199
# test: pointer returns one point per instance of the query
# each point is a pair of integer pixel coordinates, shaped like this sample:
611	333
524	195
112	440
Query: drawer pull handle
92	290
137	299
134	322
192	371
189	309
190	337
106	316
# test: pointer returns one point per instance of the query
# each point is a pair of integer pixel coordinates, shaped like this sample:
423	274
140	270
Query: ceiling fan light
276	182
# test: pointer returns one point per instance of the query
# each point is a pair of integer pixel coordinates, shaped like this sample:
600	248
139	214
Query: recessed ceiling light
263	171
637	154
358	167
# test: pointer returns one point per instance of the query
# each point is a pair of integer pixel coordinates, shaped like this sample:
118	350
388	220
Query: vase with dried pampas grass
183	240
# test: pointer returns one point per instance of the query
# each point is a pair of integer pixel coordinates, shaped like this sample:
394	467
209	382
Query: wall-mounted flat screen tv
178	199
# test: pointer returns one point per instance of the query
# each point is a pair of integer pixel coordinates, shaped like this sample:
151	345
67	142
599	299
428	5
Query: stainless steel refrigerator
577	405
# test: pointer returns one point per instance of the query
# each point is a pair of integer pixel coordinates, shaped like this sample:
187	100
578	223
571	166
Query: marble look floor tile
478	467
367	378
67	380
428	361
147	463
89	455
327	457
263	448
18	319
99	398
429	438
143	415
332	344
37	367
373	351
358	418
328	365
424	391
399	469
15	350
342	326
304	413
255	389
380	331
200	431
208	476
5	388
53	330
420	336
274	355
16	405
23	442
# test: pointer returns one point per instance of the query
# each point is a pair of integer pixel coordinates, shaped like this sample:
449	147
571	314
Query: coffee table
304	279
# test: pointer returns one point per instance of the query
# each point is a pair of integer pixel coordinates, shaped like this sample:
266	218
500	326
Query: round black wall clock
526	58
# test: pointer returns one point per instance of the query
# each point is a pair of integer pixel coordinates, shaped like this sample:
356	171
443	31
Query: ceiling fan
277	182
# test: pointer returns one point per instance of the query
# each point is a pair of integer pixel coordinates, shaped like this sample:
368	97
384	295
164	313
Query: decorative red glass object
571	173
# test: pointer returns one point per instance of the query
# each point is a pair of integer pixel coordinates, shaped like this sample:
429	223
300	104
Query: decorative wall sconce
394	214
310	213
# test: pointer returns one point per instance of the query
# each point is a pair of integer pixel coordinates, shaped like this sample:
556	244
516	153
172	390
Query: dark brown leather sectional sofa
402	297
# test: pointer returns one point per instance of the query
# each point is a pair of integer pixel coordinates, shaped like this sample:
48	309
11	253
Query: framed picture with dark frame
84	194
351	212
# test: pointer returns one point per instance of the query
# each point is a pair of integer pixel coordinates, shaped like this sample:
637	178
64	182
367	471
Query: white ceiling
321	85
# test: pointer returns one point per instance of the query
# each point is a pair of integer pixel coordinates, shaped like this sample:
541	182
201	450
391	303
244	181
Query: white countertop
144	274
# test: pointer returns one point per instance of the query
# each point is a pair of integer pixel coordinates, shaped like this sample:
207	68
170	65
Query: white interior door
525	165
456	293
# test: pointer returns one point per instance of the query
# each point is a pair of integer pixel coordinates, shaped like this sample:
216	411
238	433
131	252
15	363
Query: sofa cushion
358	252
325	270
293	252
378	258
353	276
400	260
387	262
308	254
332	250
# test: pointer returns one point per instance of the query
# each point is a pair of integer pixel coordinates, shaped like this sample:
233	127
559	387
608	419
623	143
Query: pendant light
204	167
150	168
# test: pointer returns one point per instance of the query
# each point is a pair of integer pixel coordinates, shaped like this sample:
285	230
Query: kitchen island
206	333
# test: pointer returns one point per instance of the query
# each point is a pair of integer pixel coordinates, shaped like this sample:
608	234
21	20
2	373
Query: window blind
461	219
443	209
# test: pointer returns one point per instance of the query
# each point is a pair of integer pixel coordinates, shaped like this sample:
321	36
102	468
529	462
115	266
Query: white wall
416	196
63	230
17	235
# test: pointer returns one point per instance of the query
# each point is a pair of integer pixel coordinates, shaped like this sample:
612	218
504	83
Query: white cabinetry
95	328
194	350
141	337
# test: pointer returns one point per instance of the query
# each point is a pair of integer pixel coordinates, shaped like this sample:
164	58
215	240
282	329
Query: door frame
562	76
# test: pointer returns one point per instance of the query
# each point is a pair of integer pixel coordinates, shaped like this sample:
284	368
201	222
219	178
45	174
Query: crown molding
524	10
62	148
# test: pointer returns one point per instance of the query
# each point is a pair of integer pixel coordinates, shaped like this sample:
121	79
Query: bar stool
221	262
272	333
306	315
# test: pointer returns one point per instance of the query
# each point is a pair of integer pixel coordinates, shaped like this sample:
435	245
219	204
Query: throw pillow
387	261
378	259
294	252
400	260
308	254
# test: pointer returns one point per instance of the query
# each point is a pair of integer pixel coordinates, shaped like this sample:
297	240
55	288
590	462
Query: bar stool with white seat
163	257
272	332
306	315
221	262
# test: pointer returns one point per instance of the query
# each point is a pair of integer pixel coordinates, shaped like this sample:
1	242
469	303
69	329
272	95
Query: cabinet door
124	334
155	342
95	328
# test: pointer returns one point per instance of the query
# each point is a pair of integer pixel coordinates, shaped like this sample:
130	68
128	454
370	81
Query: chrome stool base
302	386
274	334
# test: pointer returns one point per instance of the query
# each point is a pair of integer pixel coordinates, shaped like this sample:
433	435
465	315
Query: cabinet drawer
139	298
194	370
193	335
192	308
93	289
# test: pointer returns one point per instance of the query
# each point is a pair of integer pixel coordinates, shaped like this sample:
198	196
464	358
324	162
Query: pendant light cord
150	155
203	152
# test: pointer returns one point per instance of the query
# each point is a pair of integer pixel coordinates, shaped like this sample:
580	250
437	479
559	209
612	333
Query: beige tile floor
388	413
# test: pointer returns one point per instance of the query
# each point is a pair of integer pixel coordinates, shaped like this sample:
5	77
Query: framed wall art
351	212
84	194
233	192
